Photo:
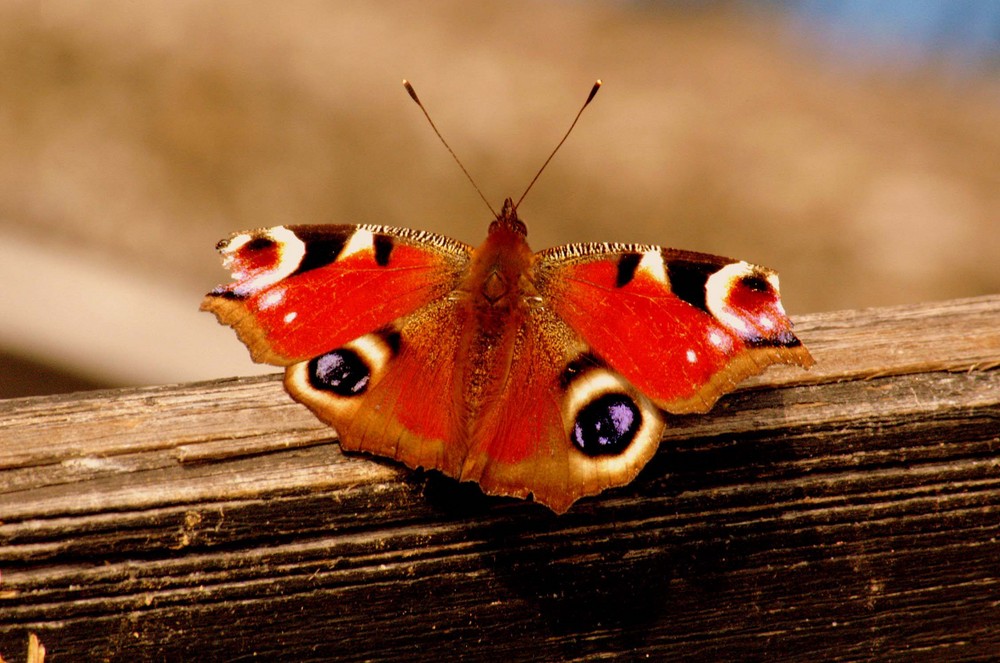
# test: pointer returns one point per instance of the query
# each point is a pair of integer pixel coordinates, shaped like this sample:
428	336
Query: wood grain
849	513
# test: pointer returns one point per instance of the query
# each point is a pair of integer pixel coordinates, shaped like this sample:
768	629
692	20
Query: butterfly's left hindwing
300	291
393	392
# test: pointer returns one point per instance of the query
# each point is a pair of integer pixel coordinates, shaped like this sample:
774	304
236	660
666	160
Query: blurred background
853	146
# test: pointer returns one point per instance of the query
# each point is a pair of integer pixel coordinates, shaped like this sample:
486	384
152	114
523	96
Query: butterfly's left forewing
300	291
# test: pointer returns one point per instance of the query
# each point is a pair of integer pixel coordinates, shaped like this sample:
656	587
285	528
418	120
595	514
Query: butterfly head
507	220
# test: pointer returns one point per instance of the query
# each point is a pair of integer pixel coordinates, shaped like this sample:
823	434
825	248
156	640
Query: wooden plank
850	512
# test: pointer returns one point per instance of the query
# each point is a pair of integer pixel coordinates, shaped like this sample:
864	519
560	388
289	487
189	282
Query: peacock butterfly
530	373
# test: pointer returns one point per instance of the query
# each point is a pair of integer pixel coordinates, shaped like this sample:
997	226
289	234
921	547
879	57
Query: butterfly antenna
413	95
590	97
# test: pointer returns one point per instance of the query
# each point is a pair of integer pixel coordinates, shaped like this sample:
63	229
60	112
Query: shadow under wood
609	570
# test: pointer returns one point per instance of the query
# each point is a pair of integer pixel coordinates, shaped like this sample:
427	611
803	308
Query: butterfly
541	374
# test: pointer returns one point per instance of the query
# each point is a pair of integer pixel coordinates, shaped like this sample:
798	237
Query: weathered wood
851	512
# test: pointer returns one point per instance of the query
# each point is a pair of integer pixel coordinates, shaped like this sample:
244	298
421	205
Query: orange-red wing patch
680	354
411	407
302	291
521	442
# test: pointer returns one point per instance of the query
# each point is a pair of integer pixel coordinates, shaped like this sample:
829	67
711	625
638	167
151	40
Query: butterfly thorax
500	275
496	292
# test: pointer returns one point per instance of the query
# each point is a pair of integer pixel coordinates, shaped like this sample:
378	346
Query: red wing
683	327
559	424
507	420
300	291
395	392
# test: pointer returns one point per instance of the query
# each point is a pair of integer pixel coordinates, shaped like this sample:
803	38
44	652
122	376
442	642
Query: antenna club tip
593	91
411	91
